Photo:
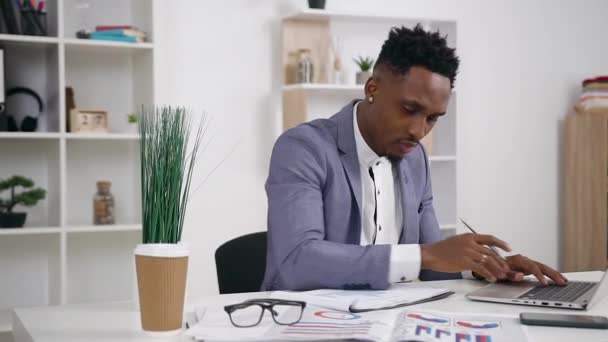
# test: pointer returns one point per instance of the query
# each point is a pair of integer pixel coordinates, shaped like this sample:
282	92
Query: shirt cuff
468	275
404	264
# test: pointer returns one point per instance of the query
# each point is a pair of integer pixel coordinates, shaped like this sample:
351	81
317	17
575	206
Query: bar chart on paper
441	326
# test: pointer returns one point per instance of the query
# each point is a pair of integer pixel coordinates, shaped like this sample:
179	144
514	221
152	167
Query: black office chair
240	263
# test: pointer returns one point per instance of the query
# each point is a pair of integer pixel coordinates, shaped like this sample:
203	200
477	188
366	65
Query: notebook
366	300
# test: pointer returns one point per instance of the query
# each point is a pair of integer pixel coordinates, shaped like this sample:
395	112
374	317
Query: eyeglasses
249	313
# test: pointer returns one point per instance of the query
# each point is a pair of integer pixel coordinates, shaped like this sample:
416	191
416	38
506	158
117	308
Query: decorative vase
317	4
12	220
362	76
132	128
161	282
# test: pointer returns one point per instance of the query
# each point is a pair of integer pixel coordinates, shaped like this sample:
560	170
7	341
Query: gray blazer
314	211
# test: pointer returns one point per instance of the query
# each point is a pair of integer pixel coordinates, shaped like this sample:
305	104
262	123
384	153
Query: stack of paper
320	324
361	301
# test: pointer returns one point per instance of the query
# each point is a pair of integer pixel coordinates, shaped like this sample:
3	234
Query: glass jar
305	67
103	204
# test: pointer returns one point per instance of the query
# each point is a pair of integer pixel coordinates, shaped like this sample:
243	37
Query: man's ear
371	86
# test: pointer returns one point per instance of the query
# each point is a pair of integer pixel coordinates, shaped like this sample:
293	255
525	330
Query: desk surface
120	322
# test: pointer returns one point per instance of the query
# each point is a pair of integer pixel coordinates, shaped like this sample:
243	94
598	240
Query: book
128	39
3	28
114	27
122	32
318	324
2	91
10	16
366	300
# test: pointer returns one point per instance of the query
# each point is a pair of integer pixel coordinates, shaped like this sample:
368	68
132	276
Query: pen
474	232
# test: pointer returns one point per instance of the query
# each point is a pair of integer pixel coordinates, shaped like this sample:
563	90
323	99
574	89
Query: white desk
120	322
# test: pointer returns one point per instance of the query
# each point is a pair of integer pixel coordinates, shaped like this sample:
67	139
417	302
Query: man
350	204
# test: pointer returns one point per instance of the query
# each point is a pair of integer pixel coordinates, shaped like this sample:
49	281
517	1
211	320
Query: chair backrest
240	263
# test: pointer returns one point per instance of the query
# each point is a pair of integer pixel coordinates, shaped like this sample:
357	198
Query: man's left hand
521	266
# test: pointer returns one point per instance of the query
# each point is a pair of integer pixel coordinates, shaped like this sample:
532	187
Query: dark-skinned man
350	202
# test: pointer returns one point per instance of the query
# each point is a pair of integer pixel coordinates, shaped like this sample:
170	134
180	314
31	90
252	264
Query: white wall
522	62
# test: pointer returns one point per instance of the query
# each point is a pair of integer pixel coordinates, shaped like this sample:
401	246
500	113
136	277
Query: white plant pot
161	282
132	128
362	76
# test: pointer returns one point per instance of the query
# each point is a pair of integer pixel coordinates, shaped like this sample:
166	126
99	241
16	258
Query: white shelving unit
363	34
59	257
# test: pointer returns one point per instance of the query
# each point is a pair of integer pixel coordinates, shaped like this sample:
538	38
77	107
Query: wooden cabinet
585	206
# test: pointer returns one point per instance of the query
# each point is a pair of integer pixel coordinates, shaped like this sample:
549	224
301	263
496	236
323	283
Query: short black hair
407	47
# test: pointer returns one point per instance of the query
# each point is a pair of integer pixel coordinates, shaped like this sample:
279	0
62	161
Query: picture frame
89	121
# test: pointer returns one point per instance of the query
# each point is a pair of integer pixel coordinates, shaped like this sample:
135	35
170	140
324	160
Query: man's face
405	108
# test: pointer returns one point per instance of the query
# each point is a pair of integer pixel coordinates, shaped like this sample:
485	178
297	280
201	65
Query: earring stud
370	99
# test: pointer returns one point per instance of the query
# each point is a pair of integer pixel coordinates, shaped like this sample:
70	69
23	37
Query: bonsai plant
365	65
28	197
161	261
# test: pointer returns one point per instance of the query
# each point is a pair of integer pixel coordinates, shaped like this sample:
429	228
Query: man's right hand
467	252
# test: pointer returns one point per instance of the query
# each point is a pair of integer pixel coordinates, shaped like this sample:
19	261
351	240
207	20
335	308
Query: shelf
29	135
69	136
442	158
17	38
318	14
93	44
73	42
323	87
30	231
104	228
328	87
101	136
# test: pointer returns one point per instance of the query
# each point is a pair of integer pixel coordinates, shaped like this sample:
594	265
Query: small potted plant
28	197
316	4
365	64
132	120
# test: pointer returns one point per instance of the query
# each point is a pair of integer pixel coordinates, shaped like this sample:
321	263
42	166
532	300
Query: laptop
577	295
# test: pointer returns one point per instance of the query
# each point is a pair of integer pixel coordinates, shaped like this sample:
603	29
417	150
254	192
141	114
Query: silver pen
474	232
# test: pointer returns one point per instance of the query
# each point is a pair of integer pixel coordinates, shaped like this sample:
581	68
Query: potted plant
316	4
166	171
365	66
132	120
28	198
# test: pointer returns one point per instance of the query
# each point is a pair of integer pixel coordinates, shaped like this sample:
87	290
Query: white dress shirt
382	215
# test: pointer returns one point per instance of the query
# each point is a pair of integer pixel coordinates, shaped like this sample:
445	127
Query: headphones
29	123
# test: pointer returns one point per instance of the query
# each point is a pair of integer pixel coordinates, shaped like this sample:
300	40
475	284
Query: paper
419	325
319	324
361	300
215	325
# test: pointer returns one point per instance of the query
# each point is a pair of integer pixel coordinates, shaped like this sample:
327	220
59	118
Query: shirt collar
365	154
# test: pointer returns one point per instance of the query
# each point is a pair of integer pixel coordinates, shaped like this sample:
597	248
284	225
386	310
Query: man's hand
467	252
520	265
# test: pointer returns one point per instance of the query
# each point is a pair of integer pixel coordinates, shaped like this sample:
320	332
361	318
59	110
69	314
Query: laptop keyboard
557	293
